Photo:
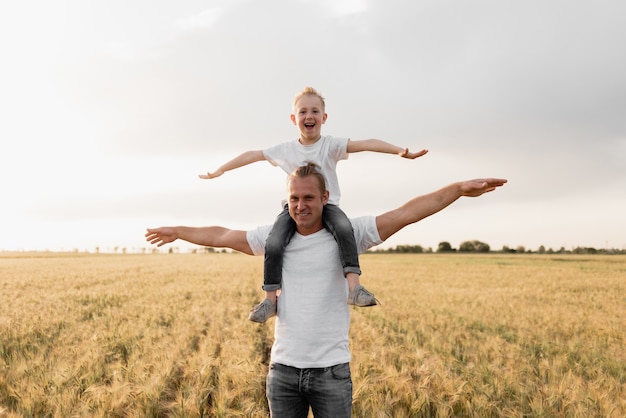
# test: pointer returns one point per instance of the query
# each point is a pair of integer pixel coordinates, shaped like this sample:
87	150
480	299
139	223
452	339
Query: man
310	355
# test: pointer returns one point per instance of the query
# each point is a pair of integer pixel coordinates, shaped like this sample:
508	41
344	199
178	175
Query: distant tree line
476	246
473	246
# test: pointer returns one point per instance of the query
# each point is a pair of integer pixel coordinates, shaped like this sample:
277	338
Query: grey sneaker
361	297
263	311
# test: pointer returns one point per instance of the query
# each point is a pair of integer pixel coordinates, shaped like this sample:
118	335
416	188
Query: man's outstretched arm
208	236
421	207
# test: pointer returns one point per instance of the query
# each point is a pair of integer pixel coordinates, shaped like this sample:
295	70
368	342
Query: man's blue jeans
291	391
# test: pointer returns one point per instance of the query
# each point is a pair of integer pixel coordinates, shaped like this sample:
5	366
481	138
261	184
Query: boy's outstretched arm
246	158
377	145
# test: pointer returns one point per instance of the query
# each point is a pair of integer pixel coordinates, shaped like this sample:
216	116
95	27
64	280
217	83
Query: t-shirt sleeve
339	148
257	237
275	155
365	232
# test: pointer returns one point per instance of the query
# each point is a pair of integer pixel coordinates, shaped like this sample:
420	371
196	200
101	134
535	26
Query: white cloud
119	50
341	8
203	20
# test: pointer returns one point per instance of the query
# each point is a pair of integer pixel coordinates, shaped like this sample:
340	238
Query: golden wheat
136	335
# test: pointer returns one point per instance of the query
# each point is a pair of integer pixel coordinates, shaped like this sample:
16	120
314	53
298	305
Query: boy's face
309	117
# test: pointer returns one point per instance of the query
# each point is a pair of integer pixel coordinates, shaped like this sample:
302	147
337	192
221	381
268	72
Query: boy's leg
279	237
338	224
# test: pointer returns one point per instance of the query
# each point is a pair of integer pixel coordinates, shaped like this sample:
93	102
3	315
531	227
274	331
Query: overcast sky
110	109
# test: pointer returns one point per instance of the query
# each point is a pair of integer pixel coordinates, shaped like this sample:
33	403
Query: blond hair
309	91
309	170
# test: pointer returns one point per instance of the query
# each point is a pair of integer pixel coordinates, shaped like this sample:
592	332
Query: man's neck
309	230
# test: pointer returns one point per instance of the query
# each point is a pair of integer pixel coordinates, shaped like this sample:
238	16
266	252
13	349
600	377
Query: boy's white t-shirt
325	153
313	319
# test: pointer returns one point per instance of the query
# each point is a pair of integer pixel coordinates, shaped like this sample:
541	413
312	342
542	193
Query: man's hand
477	187
412	155
161	236
208	176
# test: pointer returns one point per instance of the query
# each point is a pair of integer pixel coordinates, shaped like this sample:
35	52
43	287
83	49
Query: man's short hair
309	170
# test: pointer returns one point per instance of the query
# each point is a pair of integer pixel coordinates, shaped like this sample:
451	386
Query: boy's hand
208	176
412	155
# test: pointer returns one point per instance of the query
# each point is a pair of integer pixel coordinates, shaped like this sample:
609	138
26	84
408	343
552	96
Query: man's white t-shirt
325	153
313	319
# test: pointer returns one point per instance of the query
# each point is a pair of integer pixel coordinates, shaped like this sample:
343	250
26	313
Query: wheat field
167	335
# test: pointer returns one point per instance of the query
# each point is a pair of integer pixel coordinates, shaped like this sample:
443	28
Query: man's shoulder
256	238
362	221
365	232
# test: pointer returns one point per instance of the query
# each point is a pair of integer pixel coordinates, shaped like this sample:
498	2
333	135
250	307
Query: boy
325	151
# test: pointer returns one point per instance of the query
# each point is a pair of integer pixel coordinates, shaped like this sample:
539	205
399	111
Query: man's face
306	204
309	117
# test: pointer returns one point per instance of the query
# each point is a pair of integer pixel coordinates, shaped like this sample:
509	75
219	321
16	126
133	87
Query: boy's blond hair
308	91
